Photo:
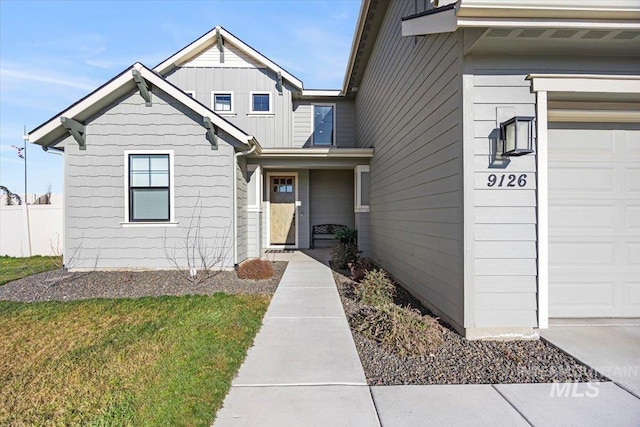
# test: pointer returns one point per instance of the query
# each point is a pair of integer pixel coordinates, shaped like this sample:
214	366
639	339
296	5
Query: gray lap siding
409	107
95	186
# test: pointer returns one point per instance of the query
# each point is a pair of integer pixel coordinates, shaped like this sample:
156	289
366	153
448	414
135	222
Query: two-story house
487	151
216	135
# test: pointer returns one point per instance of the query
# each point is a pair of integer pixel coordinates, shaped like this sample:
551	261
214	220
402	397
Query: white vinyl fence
27	230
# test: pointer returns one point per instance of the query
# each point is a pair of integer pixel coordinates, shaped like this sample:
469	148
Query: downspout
234	216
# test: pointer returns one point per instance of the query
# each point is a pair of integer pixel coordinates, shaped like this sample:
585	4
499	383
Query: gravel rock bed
460	361
59	286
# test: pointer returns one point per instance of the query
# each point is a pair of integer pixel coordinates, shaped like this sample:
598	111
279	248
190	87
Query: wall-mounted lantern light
517	136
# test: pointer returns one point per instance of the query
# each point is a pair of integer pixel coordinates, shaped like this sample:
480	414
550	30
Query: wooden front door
283	210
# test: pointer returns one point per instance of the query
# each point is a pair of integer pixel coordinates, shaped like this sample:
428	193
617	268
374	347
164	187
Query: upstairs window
222	102
323	125
149	190
261	102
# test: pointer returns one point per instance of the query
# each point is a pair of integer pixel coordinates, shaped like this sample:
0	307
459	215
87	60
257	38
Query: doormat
278	251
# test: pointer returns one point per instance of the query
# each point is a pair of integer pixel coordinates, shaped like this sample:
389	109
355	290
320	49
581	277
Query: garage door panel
579	216
632	176
595	298
632	294
592	254
633	250
632	218
594	220
582	179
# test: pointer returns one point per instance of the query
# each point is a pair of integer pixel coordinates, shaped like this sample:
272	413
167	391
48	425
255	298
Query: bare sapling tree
64	264
195	256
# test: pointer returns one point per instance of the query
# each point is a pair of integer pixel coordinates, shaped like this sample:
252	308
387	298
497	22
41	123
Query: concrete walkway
304	370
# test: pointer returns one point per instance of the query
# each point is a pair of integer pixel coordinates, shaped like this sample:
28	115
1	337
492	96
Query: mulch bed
60	286
460	361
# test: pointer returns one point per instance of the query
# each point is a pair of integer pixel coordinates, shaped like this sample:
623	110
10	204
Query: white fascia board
594	24
317	152
208	40
320	92
121	81
548	7
588	83
444	21
126	79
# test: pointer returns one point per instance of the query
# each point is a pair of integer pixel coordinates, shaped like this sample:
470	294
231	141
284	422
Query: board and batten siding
95	186
303	122
505	219
271	130
409	107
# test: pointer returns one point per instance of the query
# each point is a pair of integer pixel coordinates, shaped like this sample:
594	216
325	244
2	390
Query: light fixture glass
517	136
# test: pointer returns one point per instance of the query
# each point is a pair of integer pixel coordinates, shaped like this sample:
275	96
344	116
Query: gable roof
211	38
52	131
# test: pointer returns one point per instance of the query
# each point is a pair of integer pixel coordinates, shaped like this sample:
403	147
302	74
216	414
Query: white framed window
260	103
222	102
324	124
148	188
362	183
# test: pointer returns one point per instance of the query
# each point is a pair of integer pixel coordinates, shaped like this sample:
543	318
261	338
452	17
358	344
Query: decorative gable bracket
220	45
279	85
142	86
76	129
212	133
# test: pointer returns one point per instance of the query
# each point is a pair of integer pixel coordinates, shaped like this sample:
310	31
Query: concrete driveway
611	346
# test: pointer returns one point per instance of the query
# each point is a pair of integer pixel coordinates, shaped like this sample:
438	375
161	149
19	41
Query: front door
283	210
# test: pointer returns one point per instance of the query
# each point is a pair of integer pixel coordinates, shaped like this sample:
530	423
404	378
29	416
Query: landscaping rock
458	360
59	286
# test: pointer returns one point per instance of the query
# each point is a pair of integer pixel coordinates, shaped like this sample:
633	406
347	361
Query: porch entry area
299	199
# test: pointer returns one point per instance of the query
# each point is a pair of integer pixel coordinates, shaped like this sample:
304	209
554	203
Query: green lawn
140	362
16	268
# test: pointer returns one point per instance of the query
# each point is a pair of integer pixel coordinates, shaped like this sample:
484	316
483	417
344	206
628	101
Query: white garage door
594	220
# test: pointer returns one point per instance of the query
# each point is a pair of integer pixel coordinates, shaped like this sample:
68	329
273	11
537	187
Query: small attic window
261	102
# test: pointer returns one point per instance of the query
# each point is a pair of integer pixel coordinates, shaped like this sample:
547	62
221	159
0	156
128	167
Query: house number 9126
505	180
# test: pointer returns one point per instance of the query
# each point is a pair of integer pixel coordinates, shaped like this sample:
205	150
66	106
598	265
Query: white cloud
45	77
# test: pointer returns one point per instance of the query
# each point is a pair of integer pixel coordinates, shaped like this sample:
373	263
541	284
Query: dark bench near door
325	232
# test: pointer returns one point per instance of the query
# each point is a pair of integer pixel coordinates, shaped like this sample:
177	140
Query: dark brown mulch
59	286
460	361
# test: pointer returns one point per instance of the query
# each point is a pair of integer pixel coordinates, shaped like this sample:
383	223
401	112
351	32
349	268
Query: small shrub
343	254
347	236
255	269
360	267
402	330
376	289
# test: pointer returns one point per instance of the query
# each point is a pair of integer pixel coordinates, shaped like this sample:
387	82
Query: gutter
234	217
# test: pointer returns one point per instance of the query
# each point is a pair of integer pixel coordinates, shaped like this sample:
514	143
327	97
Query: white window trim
358	206
172	216
213	102
257	173
297	202
260	113
334	142
541	85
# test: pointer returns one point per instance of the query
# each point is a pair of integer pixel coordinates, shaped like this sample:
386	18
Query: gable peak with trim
220	48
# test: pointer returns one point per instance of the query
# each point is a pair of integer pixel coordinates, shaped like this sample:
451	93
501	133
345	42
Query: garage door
594	220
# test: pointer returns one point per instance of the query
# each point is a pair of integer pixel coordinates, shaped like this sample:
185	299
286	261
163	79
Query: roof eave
52	131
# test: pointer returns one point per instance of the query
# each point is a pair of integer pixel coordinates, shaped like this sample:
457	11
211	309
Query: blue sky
52	53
